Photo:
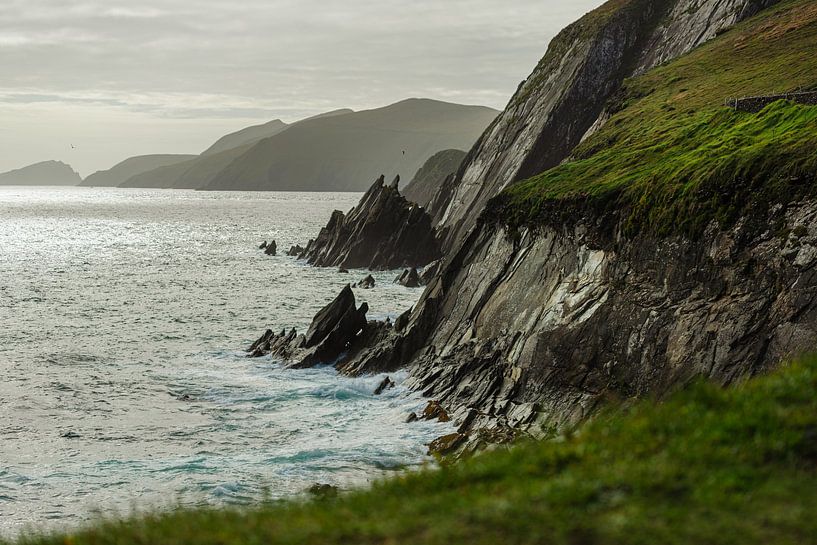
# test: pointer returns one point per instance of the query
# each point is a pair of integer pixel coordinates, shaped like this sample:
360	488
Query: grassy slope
707	466
675	156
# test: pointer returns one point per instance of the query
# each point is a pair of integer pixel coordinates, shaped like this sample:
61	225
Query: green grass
709	465
672	157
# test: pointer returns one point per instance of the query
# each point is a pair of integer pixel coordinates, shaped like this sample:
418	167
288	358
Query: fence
755	104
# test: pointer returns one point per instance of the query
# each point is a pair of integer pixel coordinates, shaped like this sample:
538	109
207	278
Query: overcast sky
117	78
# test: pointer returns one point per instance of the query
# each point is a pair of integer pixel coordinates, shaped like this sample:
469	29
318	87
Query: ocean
124	315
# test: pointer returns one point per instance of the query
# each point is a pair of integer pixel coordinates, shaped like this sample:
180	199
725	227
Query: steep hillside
190	174
128	168
197	170
707	466
44	173
426	182
565	96
343	153
250	135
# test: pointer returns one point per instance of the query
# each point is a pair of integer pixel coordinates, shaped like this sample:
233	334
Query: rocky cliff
384	231
564	98
677	239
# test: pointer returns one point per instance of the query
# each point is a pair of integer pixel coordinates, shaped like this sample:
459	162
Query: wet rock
435	411
446	444
409	278
386	384
295	251
323	491
334	331
384	231
263	245
70	435
341	270
272	248
365	284
412	417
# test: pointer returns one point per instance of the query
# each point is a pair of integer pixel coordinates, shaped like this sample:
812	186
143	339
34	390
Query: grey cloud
280	58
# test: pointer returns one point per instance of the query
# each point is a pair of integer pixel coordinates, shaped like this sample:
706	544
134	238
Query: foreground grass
674	157
707	466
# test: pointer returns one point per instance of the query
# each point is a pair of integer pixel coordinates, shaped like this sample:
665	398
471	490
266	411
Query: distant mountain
422	188
44	173
246	136
197	170
344	152
131	167
190	174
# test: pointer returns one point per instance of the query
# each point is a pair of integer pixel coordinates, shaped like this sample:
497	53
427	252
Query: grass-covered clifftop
709	465
674	157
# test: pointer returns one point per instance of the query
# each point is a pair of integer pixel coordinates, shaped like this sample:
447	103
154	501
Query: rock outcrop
384	231
410	278
295	251
366	284
271	248
335	330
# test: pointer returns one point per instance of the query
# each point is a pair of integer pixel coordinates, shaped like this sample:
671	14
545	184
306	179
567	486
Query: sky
116	79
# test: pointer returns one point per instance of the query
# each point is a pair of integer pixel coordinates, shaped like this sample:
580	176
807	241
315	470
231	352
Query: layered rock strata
384	231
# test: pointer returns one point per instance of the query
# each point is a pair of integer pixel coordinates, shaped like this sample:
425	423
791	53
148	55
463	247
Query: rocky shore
525	327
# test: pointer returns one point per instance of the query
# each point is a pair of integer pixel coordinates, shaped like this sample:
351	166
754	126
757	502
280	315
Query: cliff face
565	96
533	323
544	325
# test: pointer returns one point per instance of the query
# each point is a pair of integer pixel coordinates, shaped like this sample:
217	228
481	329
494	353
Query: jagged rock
384	231
365	284
409	278
341	270
446	444
386	384
263	245
295	251
272	248
435	411
412	417
333	332
429	272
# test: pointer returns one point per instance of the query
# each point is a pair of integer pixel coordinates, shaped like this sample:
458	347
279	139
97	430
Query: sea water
124	385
